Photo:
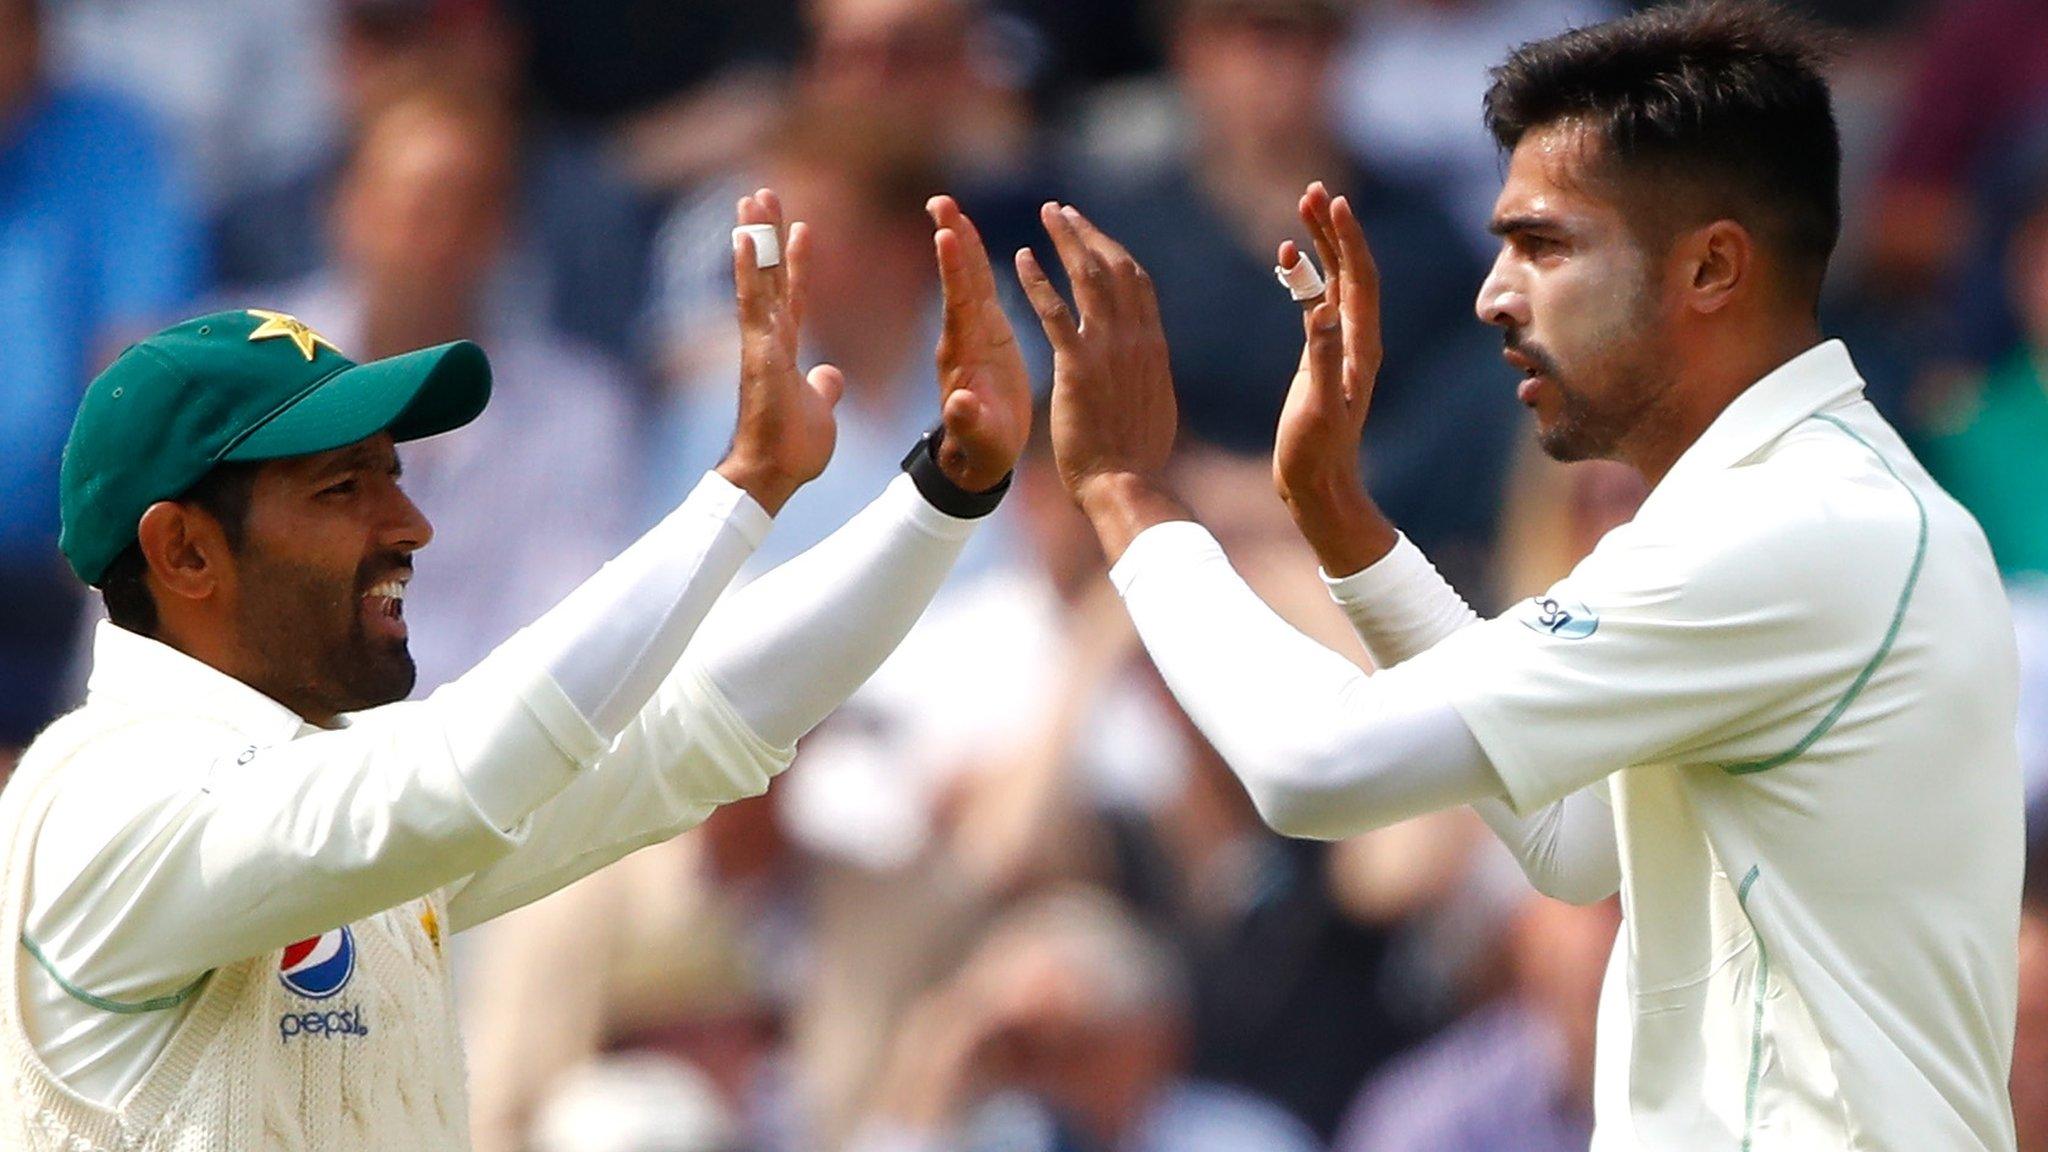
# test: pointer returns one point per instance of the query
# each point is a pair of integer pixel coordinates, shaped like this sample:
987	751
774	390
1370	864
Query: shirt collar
1816	379
135	671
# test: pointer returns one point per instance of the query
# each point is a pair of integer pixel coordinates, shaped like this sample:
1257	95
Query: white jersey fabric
1794	675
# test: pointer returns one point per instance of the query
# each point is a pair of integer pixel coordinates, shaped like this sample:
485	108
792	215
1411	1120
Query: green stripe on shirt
115	1006
1884	648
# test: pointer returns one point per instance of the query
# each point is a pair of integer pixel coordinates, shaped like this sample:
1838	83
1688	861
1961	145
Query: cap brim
412	395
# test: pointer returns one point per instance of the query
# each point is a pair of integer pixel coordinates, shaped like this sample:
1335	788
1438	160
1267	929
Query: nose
1500	301
407	529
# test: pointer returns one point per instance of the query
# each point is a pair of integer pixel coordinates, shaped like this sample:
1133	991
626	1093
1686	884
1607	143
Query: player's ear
184	549
1721	257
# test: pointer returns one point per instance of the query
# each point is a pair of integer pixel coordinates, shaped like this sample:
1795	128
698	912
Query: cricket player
1775	711
231	873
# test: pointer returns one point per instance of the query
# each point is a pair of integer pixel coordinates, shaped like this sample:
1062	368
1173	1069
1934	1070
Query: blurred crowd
1007	898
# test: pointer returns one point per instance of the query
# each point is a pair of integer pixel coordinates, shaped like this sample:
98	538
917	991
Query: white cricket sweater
355	1047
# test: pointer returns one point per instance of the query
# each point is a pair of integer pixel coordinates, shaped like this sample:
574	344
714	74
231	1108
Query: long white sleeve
1400	607
793	645
609	644
770	661
1567	848
1324	750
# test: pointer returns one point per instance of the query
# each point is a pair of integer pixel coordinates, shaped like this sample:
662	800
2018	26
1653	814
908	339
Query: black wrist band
938	489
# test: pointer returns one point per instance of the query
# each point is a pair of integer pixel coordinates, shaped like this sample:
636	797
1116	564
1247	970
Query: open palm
786	427
984	389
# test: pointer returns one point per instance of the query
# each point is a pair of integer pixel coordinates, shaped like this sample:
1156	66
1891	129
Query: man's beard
309	632
1583	431
1586	429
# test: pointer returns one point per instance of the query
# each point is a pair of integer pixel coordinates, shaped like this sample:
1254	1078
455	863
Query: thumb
962	413
828	382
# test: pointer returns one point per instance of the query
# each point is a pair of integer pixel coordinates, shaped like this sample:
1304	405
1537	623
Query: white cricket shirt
1793	675
1798	665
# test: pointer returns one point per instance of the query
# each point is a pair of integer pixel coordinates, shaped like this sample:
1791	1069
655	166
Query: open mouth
386	601
1533	375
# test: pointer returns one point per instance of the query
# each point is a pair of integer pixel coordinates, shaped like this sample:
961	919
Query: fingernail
1070	212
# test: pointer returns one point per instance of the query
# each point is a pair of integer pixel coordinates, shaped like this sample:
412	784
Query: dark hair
224	494
1714	110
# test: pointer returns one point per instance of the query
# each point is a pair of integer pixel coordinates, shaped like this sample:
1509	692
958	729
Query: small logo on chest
319	967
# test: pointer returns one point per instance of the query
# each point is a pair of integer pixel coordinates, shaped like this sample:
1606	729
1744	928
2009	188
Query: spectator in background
584	231
926	805
1515	1076
1410	75
636	1103
929	66
1988	440
1065	1030
1982	82
99	241
934	71
860	179
666	960
424	253
244	89
1987	443
928	802
1254	76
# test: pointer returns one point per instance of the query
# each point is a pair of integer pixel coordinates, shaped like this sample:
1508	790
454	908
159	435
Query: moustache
382	566
1516	343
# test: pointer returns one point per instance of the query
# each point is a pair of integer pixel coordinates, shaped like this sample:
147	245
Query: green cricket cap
238	386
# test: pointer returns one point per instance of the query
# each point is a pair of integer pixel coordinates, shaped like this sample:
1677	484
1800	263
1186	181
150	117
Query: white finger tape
767	245
1302	281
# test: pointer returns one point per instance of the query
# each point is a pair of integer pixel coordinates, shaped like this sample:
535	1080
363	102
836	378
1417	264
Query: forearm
1341	524
613	640
1121	506
769	663
1324	750
1567	849
793	645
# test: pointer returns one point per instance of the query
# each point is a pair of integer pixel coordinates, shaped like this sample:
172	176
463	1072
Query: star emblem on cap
277	324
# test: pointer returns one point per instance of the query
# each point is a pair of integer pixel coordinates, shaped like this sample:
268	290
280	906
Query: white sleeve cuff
1402	564
903	497
1400	605
1170	545
721	499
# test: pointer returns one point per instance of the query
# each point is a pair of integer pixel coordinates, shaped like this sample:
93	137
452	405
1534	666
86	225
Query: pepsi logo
319	967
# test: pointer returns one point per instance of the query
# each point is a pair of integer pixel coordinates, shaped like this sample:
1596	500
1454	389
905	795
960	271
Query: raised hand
1316	451
1113	408
984	389
786	428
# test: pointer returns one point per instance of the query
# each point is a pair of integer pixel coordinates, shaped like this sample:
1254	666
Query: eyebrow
1502	225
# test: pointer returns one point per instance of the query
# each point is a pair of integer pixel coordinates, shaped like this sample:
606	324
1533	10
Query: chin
383	677
1567	443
